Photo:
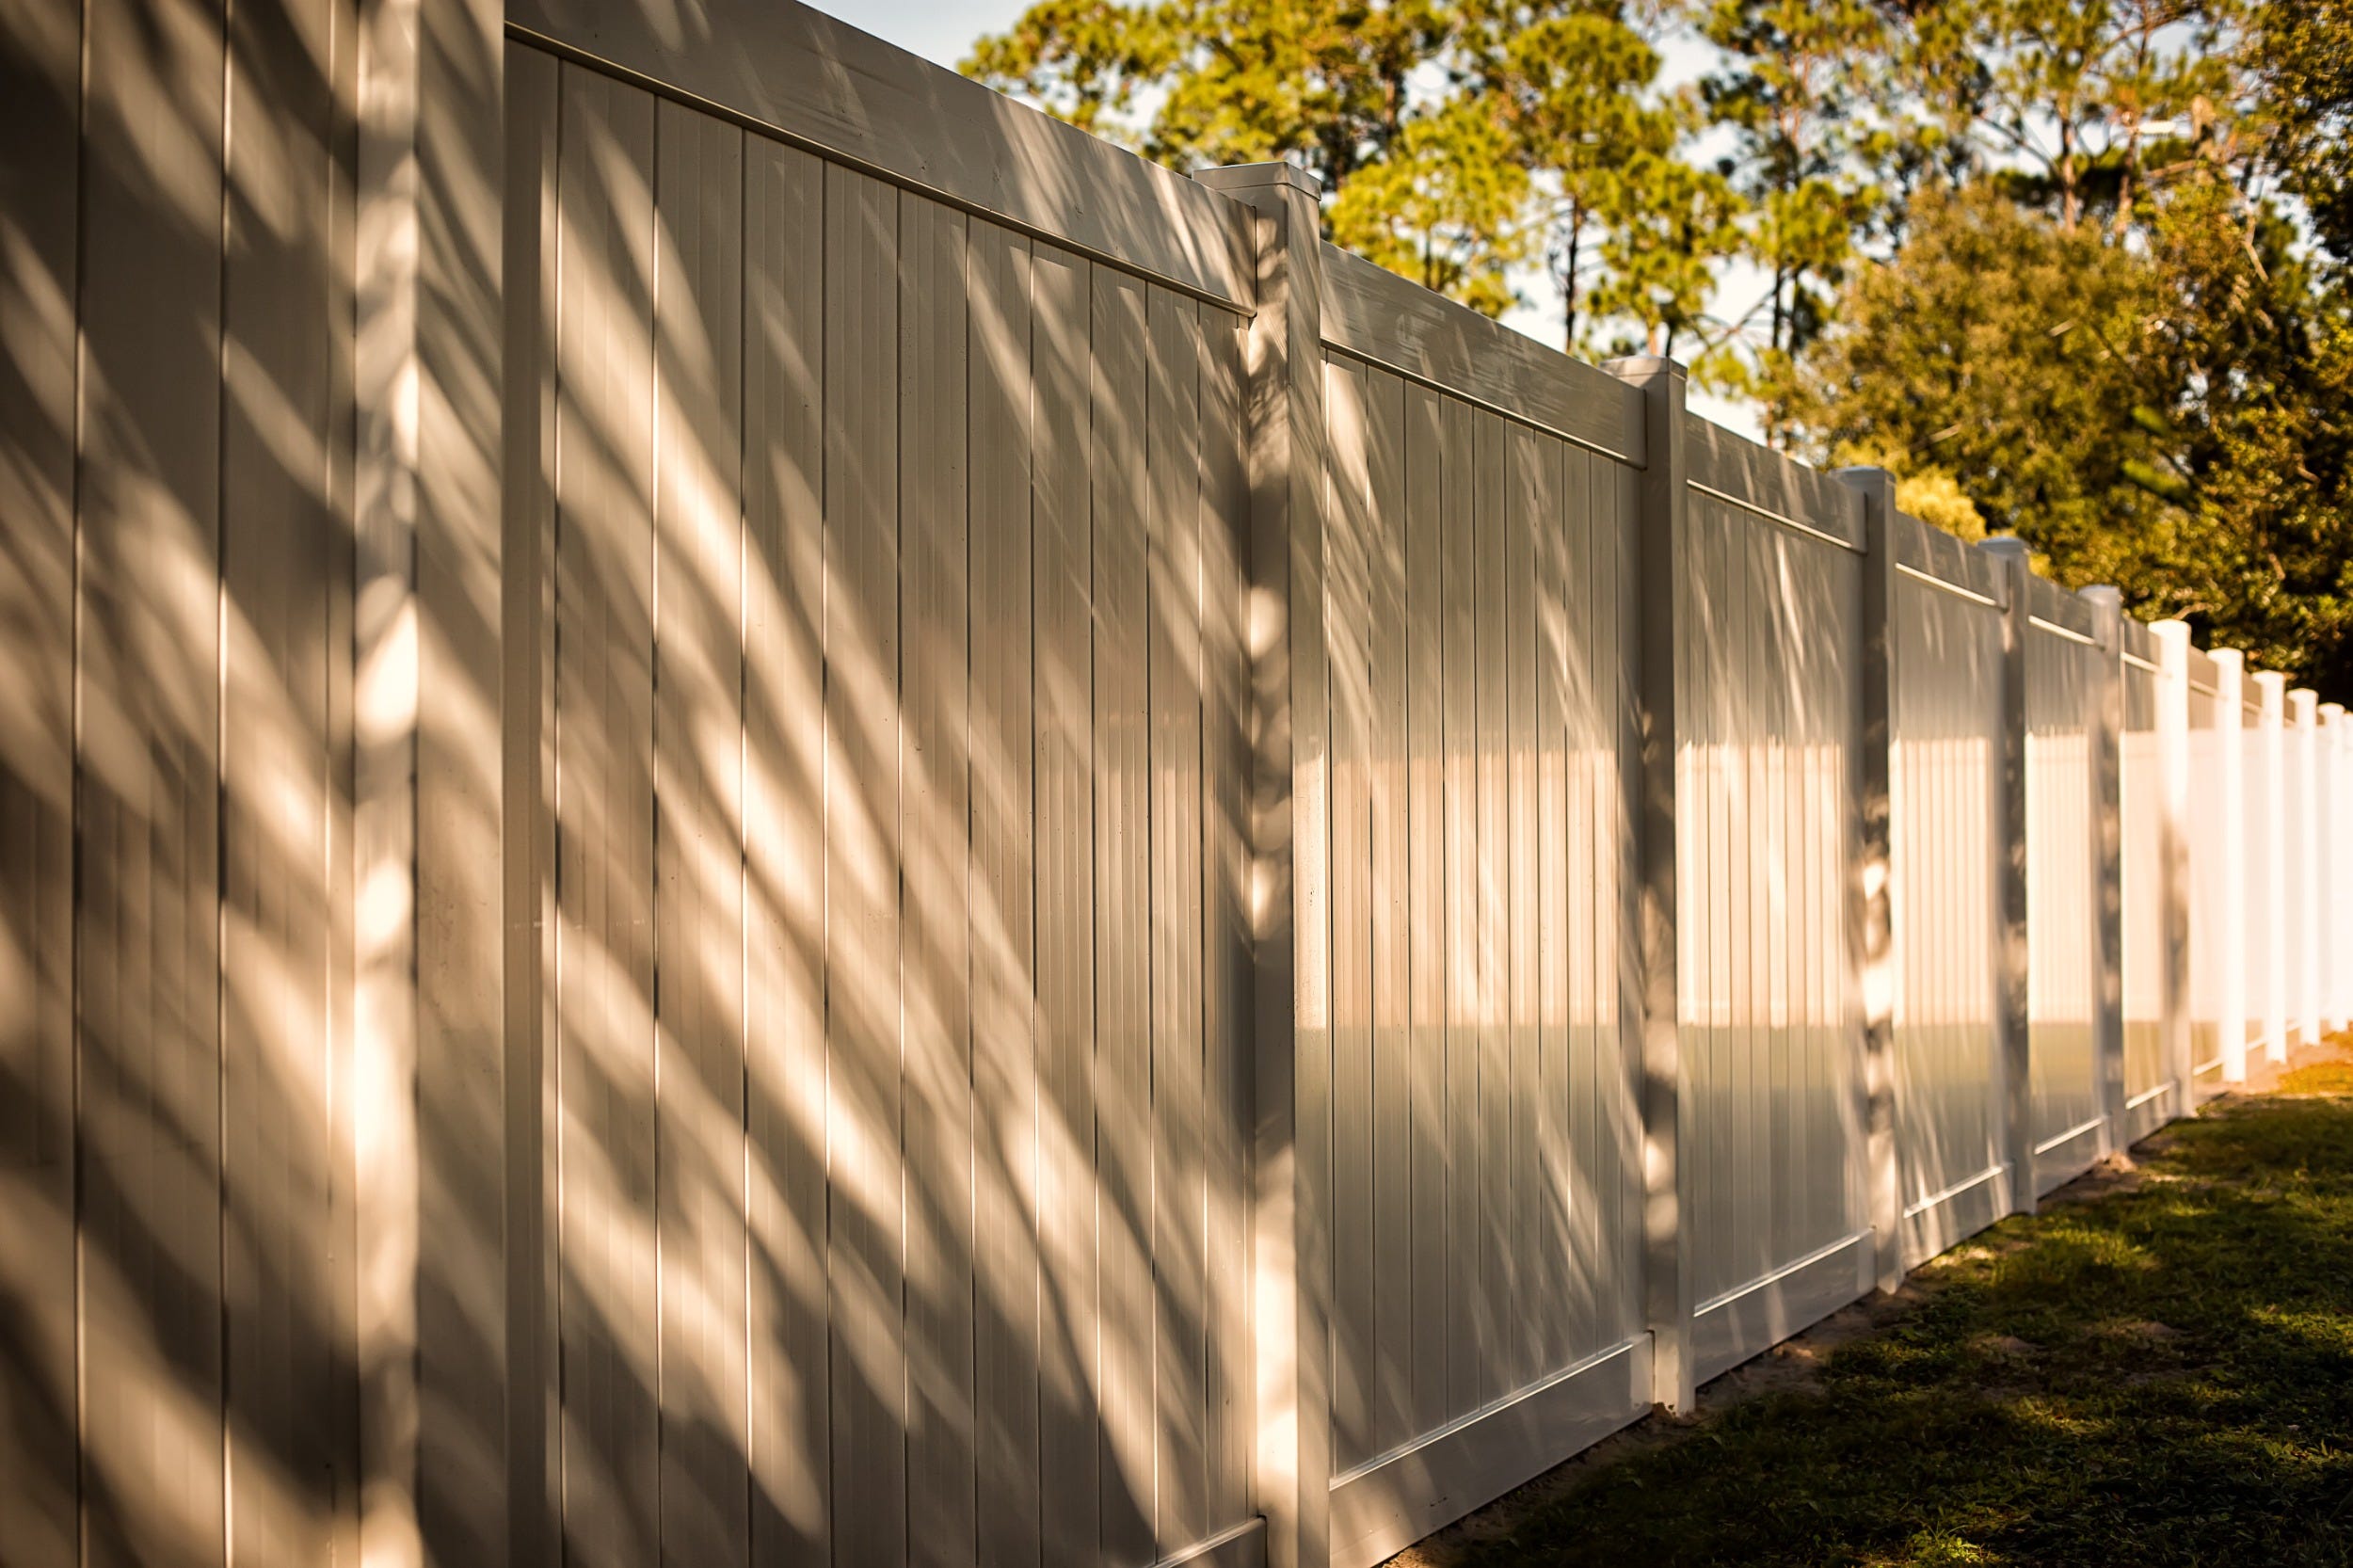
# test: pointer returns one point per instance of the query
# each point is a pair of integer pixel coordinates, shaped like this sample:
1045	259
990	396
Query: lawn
2160	1374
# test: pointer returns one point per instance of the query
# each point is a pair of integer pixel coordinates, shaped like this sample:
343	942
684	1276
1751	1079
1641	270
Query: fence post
2336	835
1290	1282
451	1424
2172	638
2228	830
1876	870
1666	1175
2104	730
2267	798
2311	862
2010	910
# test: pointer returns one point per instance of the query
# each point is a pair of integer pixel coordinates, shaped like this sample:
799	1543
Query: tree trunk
1568	285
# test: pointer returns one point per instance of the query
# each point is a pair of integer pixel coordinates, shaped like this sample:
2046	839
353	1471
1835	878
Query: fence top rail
1760	480
821	84
1944	561
2055	612
2140	644
1373	314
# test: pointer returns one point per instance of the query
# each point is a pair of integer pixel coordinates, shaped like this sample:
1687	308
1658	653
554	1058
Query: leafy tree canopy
2076	269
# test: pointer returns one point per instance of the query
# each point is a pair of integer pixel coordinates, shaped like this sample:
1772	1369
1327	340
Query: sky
942	32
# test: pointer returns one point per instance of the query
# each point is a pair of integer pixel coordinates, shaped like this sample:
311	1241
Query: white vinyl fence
754	811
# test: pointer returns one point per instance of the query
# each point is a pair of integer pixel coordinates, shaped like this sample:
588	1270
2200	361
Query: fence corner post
1872	900
2268	798
2010	899
2172	639
2230	868
2311	878
1290	897
1668	1277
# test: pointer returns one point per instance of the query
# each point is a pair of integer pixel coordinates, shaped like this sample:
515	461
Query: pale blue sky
939	30
943	30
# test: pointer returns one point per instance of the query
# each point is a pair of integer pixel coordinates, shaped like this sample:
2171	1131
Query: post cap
1639	368
1255	176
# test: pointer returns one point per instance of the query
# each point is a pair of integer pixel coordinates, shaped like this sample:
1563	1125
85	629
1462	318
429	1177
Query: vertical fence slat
1524	1191
1427	871
697	759
528	429
147	964
279	522
40	168
1583	592
1563	1320
1008	1080
1123	891
1498	1256
1393	1171
1063	596
1178	1138
604	716
785	806
1346	539
935	773
864	856
1622	871
1460	711
1226	878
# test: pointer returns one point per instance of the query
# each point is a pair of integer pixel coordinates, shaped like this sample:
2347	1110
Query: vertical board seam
220	777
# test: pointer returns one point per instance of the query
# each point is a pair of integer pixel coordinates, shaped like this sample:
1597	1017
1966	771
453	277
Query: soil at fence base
2158	1367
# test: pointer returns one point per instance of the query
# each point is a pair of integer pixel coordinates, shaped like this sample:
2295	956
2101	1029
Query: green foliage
1454	138
2080	269
1442	207
1993	348
1571	90
2303	55
1327	84
1669	226
1796	78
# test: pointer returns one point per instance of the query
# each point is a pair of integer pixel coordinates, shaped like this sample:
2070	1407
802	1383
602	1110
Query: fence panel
1946	833
2148	1078
2336	935
177	561
2306	861
1768	694
2261	805
2210	869
899	1067
2065	666
2292	860
1485	1200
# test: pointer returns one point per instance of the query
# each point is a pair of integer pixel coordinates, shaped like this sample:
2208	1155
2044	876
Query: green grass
2162	1375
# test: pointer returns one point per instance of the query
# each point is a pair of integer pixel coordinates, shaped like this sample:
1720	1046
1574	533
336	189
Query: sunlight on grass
2319	1078
2160	1375
1938	1549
